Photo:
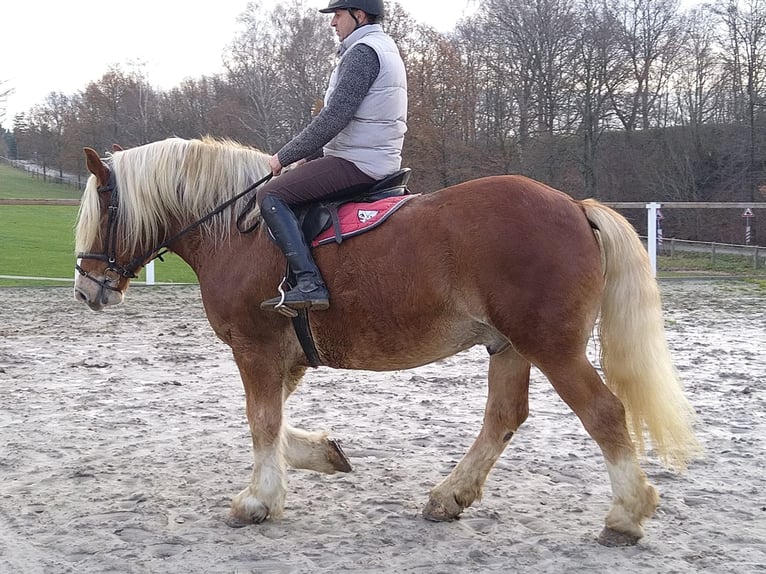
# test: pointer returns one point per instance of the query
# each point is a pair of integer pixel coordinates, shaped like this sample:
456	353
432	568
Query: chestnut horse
504	262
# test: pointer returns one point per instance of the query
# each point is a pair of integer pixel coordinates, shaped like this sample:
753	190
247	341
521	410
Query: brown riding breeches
314	180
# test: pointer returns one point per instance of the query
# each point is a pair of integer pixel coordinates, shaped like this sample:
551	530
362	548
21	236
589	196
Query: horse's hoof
614	539
236	521
233	521
246	511
337	457
437	512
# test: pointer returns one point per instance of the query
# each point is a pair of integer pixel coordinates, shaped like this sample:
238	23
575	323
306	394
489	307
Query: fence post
651	234
150	273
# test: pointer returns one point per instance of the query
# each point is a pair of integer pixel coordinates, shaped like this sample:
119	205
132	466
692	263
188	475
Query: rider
361	128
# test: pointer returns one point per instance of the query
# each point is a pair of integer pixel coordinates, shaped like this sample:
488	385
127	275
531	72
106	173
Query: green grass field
38	240
18	184
682	264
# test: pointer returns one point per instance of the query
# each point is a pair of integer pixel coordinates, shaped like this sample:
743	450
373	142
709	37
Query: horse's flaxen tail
634	351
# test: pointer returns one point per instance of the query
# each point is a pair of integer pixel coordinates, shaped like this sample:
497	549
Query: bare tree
305	59
101	110
531	46
598	68
698	78
651	38
4	93
140	106
252	70
54	115
279	65
188	109
402	28
745	48
682	169
442	108
509	90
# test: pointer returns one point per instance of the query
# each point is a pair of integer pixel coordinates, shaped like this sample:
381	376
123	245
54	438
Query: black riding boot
310	291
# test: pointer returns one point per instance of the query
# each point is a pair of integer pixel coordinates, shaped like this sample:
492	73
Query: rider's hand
275	165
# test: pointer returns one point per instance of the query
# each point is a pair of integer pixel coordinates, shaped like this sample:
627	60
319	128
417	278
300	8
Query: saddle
316	218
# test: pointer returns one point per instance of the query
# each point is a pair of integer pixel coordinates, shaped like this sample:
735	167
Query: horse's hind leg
603	416
507	408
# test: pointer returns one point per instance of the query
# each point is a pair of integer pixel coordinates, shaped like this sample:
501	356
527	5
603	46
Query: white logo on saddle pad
365	216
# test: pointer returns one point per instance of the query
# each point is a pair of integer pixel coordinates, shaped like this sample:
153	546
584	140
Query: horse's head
104	268
151	197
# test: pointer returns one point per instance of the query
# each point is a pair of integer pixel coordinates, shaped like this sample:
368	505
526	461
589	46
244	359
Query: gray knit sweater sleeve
357	72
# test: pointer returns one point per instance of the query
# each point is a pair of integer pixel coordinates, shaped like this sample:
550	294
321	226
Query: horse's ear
117	147
96	166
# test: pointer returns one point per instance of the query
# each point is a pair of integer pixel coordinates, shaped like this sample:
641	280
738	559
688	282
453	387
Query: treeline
624	100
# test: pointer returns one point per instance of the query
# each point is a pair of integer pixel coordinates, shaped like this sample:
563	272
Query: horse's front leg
265	495
310	450
314	451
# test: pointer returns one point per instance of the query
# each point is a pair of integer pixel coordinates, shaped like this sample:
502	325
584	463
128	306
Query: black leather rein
115	270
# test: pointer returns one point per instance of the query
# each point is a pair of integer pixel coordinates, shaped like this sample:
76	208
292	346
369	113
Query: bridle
114	270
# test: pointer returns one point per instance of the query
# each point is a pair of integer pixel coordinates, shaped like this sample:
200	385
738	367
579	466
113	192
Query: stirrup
277	304
288	308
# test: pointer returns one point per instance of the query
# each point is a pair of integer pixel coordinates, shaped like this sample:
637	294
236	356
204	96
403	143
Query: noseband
115	270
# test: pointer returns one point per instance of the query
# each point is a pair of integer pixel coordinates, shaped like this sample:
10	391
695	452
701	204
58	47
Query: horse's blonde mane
173	180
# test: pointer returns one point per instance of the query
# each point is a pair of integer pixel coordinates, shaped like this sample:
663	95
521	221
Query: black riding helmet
372	7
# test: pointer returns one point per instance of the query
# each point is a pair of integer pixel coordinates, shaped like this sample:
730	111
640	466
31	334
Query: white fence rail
654	238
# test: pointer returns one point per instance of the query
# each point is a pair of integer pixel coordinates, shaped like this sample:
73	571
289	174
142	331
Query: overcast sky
61	45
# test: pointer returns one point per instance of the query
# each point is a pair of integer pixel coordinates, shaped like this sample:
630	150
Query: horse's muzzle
96	292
